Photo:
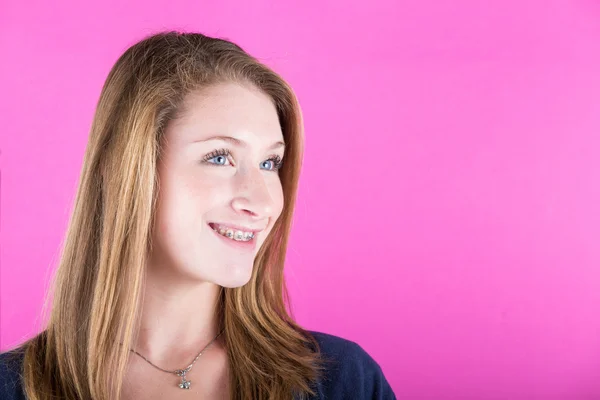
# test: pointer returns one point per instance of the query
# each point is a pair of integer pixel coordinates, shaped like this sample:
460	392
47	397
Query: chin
230	283
235	276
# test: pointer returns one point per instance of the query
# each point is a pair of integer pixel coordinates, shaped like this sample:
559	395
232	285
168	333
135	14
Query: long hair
100	277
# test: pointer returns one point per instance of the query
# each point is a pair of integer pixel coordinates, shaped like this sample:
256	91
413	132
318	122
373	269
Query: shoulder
349	371
10	376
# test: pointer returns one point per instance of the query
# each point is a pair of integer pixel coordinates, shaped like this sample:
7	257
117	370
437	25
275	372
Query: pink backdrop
449	205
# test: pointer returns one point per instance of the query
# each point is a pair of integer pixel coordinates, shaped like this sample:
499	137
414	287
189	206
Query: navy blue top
351	374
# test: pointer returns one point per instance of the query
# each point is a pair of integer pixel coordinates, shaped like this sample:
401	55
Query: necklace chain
181	372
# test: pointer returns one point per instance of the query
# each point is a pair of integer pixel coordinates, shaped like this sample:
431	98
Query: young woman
170	283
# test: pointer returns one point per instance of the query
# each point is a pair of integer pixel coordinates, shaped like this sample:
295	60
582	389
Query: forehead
228	109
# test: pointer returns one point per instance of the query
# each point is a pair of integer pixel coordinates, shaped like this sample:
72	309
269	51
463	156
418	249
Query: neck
178	319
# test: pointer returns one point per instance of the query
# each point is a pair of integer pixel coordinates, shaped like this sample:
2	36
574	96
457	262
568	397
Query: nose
252	195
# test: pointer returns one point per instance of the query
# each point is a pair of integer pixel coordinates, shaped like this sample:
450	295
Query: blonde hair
100	276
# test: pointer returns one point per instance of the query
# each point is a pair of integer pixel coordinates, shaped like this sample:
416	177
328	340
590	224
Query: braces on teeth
239	236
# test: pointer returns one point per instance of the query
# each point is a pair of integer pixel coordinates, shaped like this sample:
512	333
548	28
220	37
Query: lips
235	227
248	245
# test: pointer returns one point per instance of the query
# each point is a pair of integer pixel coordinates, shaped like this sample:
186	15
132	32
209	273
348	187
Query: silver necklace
185	384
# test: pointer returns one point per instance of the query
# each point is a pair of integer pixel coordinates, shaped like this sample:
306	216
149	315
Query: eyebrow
238	142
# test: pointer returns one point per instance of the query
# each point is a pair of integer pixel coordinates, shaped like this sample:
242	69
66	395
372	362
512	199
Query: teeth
233	234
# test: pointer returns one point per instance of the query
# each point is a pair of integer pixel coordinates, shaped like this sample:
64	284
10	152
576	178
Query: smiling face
218	172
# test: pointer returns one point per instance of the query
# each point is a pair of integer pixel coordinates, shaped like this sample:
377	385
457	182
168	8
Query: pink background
448	215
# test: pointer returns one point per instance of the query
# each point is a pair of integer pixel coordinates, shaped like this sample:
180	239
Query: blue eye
276	162
267	162
220	157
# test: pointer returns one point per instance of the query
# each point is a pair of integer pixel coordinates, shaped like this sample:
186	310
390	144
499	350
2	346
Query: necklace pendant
184	383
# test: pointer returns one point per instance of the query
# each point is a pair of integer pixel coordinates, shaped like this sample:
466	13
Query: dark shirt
10	376
351	374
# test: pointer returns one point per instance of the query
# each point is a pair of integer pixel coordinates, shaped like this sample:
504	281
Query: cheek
203	195
181	204
278	199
